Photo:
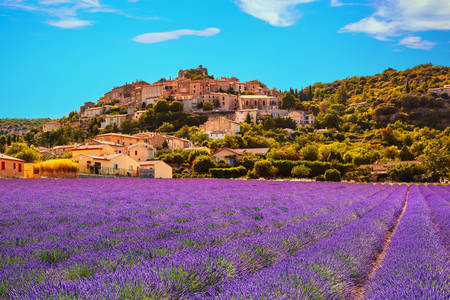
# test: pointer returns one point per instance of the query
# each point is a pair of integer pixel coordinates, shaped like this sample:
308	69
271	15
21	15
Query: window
3	165
116	166
20	167
135	152
14	166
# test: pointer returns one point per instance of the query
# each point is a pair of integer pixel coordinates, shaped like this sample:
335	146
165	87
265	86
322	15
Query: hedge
235	172
317	167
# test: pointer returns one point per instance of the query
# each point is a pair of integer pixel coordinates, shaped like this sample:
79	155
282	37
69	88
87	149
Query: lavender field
222	239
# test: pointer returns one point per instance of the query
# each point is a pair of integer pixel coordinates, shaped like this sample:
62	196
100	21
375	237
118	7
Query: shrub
405	172
310	152
265	169
332	175
300	171
197	152
202	164
235	172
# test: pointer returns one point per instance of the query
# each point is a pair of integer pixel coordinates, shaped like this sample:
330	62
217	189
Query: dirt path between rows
358	293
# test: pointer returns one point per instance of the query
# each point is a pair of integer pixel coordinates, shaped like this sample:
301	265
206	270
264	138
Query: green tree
436	157
161	106
288	101
25	152
202	164
264	169
129	126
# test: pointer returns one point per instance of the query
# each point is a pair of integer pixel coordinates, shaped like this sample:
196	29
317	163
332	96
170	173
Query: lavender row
440	212
330	269
416	265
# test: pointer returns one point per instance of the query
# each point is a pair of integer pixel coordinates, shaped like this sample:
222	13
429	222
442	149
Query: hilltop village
392	125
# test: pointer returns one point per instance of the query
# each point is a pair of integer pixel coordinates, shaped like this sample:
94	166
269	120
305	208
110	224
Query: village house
158	140
301	118
228	102
231	156
86	105
177	143
219	127
91	150
121	139
127	94
93	112
11	167
109	164
240	116
53	125
111	120
141	151
155	169
260	102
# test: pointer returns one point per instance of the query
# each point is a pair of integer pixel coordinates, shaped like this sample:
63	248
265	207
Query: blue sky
57	54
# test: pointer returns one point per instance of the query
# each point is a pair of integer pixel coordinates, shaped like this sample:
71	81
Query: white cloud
394	18
63	13
157	37
281	13
69	23
416	42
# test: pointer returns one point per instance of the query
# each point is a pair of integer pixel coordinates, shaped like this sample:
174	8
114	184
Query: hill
19	126
392	95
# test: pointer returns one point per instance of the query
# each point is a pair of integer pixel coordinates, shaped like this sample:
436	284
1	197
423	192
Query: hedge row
317	167
228	172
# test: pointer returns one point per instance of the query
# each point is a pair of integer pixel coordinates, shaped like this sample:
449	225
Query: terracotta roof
150	162
3	156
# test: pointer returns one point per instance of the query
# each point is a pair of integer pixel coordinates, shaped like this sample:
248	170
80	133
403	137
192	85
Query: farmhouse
109	164
11	167
233	155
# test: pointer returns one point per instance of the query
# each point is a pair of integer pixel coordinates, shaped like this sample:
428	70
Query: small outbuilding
154	169
11	167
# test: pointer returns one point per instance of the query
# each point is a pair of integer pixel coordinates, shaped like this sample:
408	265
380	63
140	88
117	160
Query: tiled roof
3	156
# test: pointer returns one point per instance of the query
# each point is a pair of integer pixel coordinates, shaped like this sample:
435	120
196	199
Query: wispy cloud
281	13
157	37
416	42
396	18
64	13
338	3
69	23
